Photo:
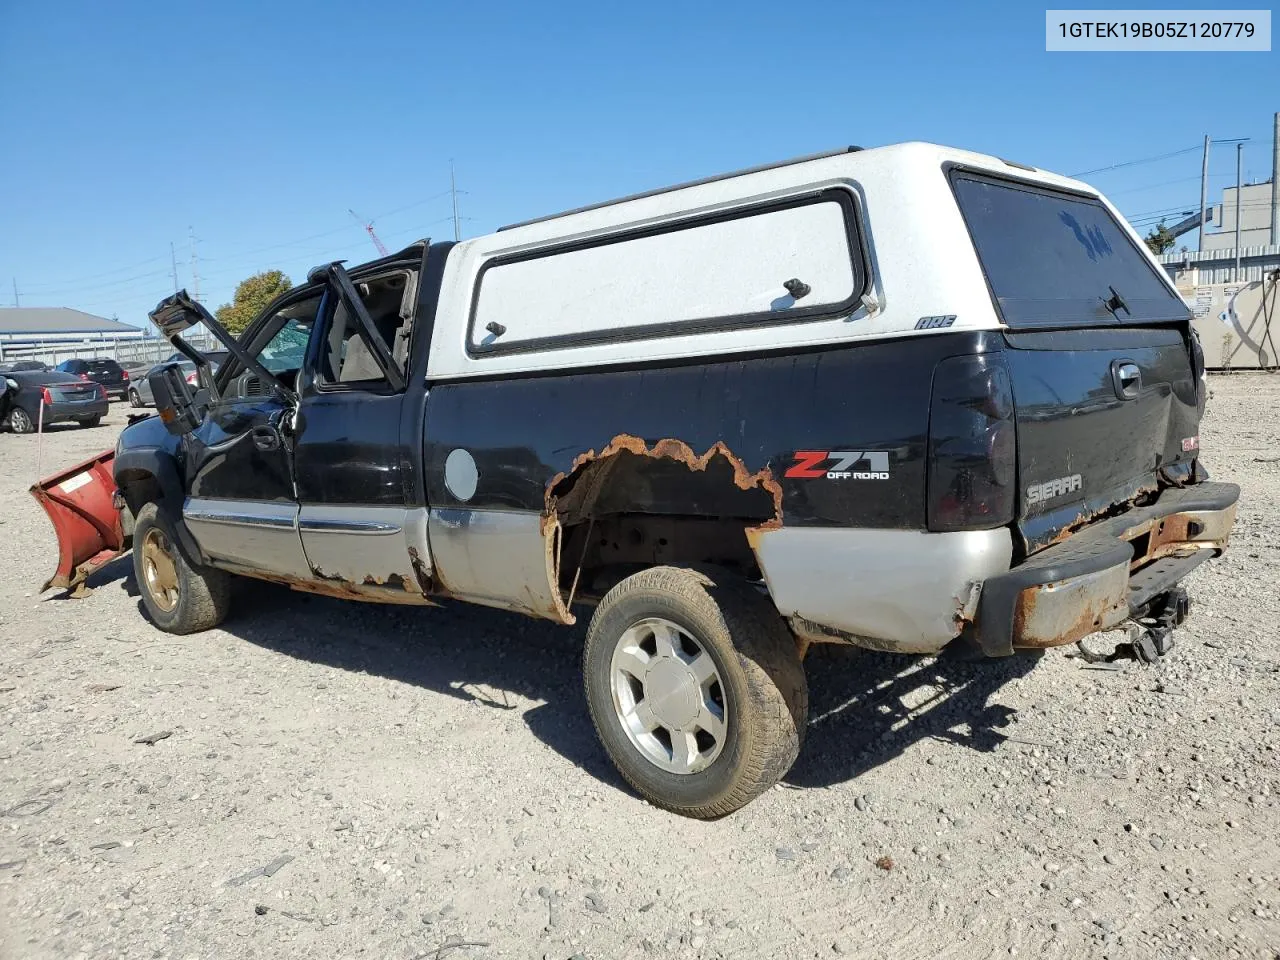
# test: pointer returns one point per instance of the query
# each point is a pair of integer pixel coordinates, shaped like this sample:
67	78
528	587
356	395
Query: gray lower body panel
499	558
252	534
366	545
899	590
374	550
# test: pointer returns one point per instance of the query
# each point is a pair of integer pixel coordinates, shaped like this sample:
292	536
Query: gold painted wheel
159	569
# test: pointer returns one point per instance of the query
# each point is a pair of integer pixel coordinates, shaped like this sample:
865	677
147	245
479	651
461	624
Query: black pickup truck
897	398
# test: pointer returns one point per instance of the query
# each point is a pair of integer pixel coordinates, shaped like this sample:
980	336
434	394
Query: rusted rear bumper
1106	572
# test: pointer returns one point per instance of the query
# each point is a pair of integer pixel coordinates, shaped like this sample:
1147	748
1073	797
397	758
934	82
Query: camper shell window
782	262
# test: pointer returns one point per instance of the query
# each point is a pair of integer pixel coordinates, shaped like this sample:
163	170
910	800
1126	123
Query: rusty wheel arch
582	502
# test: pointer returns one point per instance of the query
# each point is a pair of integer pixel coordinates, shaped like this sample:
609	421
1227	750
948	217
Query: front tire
179	597
695	688
134	399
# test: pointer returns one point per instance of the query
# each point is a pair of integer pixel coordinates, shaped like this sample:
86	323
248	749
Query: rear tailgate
1105	388
1089	438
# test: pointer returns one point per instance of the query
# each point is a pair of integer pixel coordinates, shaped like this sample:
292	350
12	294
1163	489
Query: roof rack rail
681	186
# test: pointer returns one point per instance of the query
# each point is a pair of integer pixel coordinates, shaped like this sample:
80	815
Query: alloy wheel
668	696
160	570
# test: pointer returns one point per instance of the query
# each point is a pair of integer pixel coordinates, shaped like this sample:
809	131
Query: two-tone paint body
570	373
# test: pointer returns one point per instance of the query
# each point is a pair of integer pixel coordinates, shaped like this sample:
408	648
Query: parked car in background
17	366
63	397
140	387
103	370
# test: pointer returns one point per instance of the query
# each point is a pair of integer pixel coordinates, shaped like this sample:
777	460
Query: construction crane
368	228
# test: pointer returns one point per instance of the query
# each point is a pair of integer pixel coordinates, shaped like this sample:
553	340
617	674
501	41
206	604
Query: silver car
140	387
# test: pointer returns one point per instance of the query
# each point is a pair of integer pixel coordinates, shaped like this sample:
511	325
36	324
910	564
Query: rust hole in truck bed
569	493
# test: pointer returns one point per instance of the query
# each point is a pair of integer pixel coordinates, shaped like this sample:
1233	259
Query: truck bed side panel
524	431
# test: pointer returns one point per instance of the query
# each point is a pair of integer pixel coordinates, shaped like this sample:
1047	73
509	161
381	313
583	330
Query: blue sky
258	125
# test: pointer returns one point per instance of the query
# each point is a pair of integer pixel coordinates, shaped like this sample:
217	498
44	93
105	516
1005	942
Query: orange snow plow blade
79	503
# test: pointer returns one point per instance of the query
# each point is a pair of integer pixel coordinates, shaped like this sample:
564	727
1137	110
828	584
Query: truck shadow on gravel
865	708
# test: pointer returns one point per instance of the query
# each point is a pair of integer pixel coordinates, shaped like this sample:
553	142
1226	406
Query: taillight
972	445
191	377
102	391
84	376
46	397
124	374
1197	369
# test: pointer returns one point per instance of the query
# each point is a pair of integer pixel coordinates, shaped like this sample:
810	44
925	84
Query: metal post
173	257
1275	181
40	439
1239	155
15	292
1204	192
195	266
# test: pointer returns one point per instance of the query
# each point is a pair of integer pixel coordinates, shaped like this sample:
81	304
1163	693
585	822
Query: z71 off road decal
837	464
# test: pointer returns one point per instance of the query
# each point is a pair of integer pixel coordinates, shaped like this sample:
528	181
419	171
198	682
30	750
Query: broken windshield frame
178	312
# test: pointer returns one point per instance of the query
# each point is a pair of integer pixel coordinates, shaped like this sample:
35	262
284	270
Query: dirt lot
433	777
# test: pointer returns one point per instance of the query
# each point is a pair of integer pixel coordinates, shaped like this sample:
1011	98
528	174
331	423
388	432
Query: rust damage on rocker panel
392	589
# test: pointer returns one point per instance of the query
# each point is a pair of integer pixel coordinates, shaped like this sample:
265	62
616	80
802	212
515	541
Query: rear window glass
1054	259
103	366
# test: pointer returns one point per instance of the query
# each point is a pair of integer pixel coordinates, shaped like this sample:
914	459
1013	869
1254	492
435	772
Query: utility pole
173	258
15	292
1239	154
1275	181
195	265
1204	192
453	192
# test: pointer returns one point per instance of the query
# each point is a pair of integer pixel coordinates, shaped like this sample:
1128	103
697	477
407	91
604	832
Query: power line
1134	163
81	284
105	273
1165	156
1165	183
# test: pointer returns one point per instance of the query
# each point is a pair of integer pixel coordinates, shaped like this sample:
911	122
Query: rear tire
91	421
20	421
752	691
179	596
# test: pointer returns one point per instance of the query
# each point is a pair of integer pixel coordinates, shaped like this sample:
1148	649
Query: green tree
1160	239
251	296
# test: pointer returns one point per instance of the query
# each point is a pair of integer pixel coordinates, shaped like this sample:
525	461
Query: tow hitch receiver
1149	633
1155	630
80	505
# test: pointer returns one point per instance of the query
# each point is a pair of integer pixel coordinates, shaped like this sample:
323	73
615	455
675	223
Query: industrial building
32	327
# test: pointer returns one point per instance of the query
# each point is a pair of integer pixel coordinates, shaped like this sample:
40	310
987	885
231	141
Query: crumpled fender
159	463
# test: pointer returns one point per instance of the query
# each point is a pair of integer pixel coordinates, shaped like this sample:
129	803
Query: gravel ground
342	780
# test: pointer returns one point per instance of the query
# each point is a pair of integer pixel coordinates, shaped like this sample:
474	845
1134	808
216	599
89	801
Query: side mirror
181	406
